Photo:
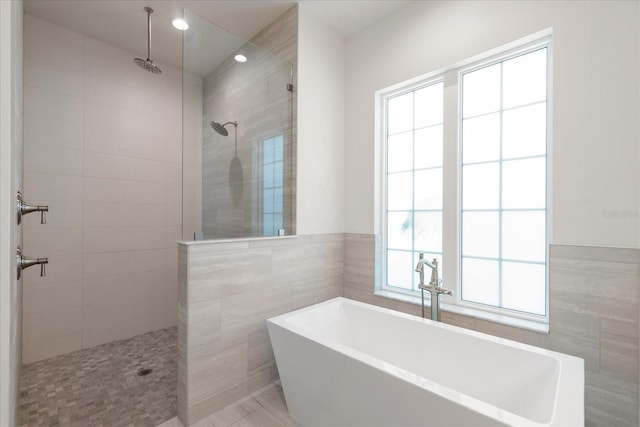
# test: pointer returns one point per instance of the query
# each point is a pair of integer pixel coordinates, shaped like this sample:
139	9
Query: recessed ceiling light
240	58
180	24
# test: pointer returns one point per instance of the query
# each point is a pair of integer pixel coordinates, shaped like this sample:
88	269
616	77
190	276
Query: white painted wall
595	101
10	181
320	159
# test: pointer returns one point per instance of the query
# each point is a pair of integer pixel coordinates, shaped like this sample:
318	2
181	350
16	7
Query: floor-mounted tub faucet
433	287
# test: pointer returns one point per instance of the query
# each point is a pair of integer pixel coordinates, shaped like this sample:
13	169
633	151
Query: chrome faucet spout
433	287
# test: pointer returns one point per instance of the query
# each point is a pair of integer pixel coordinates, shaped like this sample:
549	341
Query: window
414	161
494	131
272	162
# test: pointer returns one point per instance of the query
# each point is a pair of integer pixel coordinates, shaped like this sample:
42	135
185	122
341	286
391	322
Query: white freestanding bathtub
345	363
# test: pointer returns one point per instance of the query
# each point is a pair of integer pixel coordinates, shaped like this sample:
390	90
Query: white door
10	182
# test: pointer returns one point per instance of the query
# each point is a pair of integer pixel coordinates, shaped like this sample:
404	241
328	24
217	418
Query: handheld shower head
221	128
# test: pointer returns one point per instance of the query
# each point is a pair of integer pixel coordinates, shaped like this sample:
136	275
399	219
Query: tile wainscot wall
226	291
229	289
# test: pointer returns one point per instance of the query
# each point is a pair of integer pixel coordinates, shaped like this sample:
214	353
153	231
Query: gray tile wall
227	290
593	314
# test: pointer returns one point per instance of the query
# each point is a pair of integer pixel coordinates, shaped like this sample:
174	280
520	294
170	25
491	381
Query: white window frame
452	176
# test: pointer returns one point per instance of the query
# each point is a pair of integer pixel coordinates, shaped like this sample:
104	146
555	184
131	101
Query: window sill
503	319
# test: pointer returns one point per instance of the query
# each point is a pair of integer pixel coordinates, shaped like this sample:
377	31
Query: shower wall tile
227	290
43	75
123	215
43	131
108	166
53	160
53	241
594	306
115	263
52	105
58	188
41	326
60	296
103	148
119	191
120	143
44	349
61	269
52	45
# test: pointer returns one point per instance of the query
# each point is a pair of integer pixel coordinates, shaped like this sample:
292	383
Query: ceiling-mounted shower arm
149	12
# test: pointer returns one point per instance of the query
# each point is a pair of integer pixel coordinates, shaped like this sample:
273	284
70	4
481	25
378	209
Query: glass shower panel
238	178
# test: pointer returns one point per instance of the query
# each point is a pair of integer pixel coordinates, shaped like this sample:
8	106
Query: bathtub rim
570	380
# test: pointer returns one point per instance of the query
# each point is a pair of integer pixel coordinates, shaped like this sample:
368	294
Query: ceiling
123	22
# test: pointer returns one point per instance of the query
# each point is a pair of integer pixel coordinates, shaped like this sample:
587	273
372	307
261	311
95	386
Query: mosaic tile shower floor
100	386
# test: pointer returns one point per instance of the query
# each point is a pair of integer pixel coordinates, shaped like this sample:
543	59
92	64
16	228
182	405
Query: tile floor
265	408
100	386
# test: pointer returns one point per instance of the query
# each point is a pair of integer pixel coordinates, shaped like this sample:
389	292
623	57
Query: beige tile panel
112	239
99	139
610	402
45	298
43	74
43	131
52	105
46	188
43	326
52	160
619	357
205	322
109	166
49	30
125	97
213	275
97	215
626	328
585	287
123	262
32	351
53	44
108	288
213	368
52	242
245	313
134	123
260	351
594	253
118	191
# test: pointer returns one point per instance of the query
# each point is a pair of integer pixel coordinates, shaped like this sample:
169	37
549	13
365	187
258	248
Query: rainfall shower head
221	129
148	64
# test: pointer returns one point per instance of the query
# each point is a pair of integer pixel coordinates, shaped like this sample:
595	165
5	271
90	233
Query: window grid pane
272	185
512	193
414	182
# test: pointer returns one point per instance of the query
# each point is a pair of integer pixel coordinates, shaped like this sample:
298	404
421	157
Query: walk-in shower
105	145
